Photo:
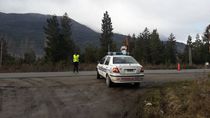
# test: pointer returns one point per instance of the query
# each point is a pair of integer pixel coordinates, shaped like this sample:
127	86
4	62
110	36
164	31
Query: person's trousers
76	66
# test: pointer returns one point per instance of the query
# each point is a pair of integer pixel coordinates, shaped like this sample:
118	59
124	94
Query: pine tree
59	45
170	51
207	35
142	50
197	51
68	45
155	47
106	35
3	50
52	32
132	44
189	44
205	49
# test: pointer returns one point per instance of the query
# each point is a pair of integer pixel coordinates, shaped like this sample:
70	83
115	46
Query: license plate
130	70
130	78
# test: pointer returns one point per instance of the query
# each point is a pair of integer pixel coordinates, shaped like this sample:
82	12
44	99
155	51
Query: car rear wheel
137	84
98	75
109	83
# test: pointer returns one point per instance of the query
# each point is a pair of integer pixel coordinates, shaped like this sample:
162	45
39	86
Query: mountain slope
25	31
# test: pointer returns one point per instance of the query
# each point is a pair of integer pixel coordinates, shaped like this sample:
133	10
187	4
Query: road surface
93	73
76	95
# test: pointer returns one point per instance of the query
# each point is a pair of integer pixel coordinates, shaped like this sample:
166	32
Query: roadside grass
188	99
45	67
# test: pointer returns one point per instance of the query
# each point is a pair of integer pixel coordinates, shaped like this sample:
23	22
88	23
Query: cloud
183	18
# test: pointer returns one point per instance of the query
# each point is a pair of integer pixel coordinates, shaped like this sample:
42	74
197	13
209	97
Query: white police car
118	68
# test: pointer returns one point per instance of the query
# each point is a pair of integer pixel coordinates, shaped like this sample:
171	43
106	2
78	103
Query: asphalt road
148	73
77	95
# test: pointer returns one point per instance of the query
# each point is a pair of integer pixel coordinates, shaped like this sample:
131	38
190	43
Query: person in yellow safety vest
76	62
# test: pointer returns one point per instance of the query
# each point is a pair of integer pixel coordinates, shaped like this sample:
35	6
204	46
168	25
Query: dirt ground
75	97
65	97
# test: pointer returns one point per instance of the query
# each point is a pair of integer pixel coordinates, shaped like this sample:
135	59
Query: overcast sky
181	17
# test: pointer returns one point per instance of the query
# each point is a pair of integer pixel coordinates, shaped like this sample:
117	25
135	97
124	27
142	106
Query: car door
101	68
106	66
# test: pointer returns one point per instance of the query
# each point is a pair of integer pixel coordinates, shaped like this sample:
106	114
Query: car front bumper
127	78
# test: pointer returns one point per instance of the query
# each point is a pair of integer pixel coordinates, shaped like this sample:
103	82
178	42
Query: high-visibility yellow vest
75	58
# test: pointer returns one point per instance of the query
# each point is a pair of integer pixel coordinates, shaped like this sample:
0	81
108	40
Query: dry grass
176	100
45	67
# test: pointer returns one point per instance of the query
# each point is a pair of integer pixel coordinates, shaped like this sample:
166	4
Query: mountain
25	31
180	47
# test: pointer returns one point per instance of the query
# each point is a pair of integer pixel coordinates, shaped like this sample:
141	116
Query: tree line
146	47
199	49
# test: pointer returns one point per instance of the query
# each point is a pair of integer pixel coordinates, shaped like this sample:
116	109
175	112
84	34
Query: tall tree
3	51
197	47
189	44
66	33
155	47
142	50
106	35
170	55
59	45
132	44
207	35
52	32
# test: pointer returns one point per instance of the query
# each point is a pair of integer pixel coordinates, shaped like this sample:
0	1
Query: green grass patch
189	99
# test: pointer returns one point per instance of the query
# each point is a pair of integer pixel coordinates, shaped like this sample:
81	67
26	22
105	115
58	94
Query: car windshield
124	60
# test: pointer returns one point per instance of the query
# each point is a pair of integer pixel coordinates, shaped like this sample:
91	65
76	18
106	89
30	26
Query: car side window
102	60
107	61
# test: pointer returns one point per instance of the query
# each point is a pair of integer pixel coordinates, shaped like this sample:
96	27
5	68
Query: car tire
98	75
137	84
109	83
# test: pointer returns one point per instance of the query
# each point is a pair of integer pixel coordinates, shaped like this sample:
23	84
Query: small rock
161	111
149	104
